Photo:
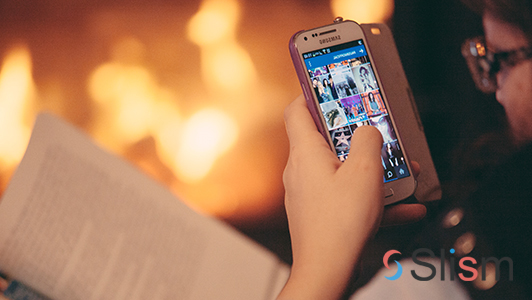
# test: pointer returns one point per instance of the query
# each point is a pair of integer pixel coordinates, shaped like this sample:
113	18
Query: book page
79	223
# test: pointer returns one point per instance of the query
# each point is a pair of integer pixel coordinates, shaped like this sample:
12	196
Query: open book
79	223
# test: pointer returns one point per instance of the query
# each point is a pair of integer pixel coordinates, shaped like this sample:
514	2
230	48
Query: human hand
401	214
3	287
333	208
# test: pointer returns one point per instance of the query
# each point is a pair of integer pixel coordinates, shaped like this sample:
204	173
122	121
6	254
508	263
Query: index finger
301	129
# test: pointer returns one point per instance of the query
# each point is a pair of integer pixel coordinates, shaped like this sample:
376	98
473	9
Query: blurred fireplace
191	92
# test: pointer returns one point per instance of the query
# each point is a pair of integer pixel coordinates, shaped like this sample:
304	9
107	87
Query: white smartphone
343	92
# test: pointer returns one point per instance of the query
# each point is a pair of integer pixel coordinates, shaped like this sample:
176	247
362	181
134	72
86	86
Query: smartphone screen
349	96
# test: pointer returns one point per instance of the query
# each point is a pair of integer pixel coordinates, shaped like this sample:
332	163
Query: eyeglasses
485	64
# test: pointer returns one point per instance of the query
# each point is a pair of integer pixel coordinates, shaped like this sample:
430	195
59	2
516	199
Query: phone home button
388	192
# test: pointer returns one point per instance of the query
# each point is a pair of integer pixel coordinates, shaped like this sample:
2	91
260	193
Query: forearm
324	277
322	268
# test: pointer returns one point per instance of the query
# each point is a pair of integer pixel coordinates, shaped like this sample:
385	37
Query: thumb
366	146
363	166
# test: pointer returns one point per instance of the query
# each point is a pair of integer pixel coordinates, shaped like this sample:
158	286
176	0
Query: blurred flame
215	22
126	96
132	107
228	66
191	141
16	90
131	104
363	11
225	64
206	136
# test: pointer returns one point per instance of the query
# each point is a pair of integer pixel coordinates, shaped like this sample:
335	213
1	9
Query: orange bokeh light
16	92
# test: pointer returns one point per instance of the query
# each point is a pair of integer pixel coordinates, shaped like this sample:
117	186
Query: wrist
320	276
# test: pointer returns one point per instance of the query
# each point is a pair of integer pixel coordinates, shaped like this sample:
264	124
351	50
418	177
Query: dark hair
515	12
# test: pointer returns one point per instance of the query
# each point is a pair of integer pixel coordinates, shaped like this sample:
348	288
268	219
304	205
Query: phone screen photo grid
349	97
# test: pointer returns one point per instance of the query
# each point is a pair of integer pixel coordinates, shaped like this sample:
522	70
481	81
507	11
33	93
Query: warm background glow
16	92
193	93
364	11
